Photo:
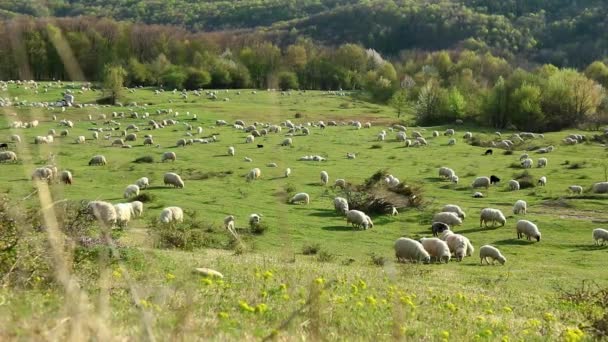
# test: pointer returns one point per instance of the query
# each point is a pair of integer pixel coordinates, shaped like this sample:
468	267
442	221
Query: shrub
311	249
259	229
378	260
299	115
144	159
325	256
525	179
144	197
508	152
188	235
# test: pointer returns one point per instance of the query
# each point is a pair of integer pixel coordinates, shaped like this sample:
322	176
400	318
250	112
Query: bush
525	180
144	159
378	260
325	256
144	197
299	115
311	249
508	153
259	229
188	235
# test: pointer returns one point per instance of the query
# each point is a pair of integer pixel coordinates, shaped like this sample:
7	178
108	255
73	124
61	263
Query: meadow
352	289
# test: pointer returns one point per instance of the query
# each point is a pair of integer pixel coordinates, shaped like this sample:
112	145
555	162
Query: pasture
340	294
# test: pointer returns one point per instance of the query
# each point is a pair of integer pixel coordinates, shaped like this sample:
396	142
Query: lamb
410	250
98	160
513	185
600	188
481	182
172	214
253	174
520	207
600	234
527	228
143	182
491	215
542	162
459	245
449	218
104	212
454	209
174	179
300	197
341	205
576	189
287	172
542	181
437	249
131	190
254	220
358	219
439	227
488	152
491	252
137	208
8	156
324	177
168	156
494	179
66	177
527	163
231	151
123	214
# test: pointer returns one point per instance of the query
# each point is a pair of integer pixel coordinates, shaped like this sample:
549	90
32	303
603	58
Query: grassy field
340	294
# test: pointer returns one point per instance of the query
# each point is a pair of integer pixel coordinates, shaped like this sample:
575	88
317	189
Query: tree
526	110
113	81
196	79
455	104
288	80
400	102
598	71
497	105
137	72
429	104
174	77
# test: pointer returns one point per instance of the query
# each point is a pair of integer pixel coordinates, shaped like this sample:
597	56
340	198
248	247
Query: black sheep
489	151
439	227
260	146
494	179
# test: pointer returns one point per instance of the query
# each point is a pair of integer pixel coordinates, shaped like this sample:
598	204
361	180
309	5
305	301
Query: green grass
462	301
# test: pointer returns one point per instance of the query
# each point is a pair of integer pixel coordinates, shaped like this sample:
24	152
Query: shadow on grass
275	178
513	242
339	228
590	247
475	230
324	213
159	187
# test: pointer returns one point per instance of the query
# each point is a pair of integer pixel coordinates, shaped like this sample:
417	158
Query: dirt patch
555	210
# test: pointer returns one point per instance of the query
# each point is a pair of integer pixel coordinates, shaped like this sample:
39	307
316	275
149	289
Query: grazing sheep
454	209
410	250
15	138
341	205
600	234
576	189
449	132
123	214
168	156
103	212
300	197
172	214
231	151
449	218
181	142
520	207
542	162
600	188
459	245
272	165
254	220
137	208
527	163
481	182
435	134
324	177
143	182
542	181
527	228
478	195
452	142
81	139
247	159
358	219
131	137
287	172
98	160
401	136
454	179
491	252
492	215
8	156
494	179
42	174
253	174
340	183
148	141
249	139
446	172
174	179
118	142
438	228
66	177
523	156
513	185
287	142
488	152
351	156
468	135
131	190
437	249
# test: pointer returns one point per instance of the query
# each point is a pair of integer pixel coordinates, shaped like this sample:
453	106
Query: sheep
523	156
340	183
148	141
437	249
253	174
249	139
600	234
487	251
449	218
527	163
41	140
300	197
459	245
231	151
254	220
341	205
181	142
247	159
401	136
229	224
494	179
454	179
15	138
446	172
542	181
513	185
451	142
351	156
174	179
600	188
118	142
137	208
520	207
324	177
42	174
80	139
468	135
449	132
131	190
454	209
478	195
488	152
481	182
272	165
358	219
123	214
576	189
131	137
542	162
143	182
287	172
491	215
172	214
435	134
439	227
104	212
98	160
169	156
410	250
527	228
287	142
8	156
66	177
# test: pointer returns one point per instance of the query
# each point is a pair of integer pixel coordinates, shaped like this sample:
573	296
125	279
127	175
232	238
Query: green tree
526	110
196	79
497	105
113	81
400	102
598	71
429	104
174	77
455	104
137	72
288	80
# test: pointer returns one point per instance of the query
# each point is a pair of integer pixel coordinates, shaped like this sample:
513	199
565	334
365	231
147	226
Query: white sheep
542	162
8	156
42	174
181	142
66	177
468	135
300	197
600	234
123	214
449	218
98	160
459	245
341	205
254	220
287	172
174	179
542	181
249	139
131	190
520	207
340	183
452	142
481	182
437	249
253	174
15	138
491	215
231	151
104	212
168	156
491	252
410	250
600	188
172	214
137	208
229	224
324	177
576	189
523	156
527	163
287	142
454	209
527	228
358	219
513	185
446	172
81	139
143	182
